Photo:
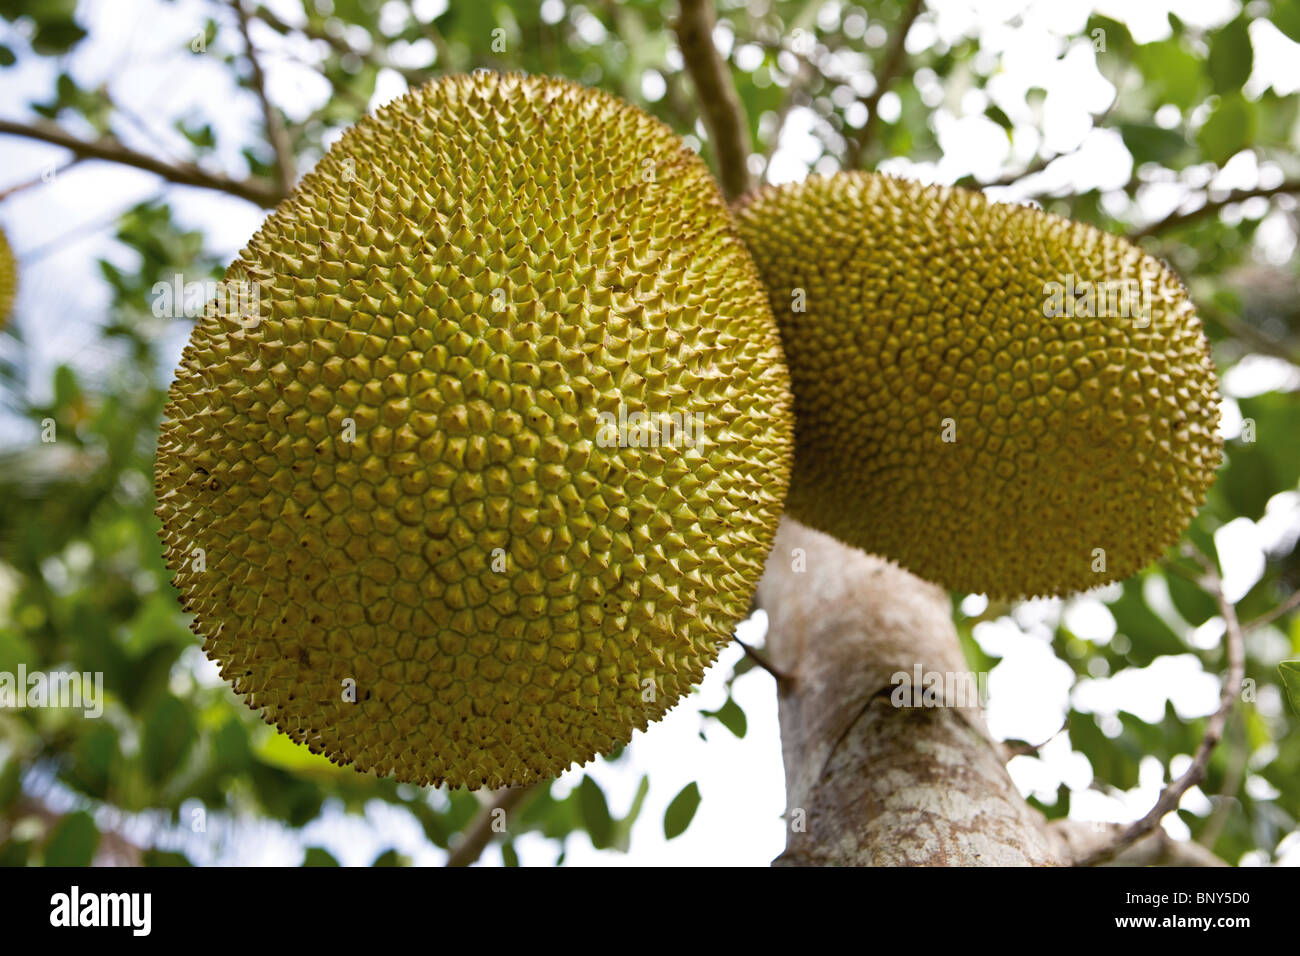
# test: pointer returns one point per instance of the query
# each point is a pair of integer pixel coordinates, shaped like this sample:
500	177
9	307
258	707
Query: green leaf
681	811
1265	459
997	115
200	136
67	391
169	734
11	782
1286	17
1276	420
95	757
1113	761
595	813
1195	606
1290	671
1248	481
165	858
730	716
54	37
1149	143
1173	73
390	858
508	854
73	841
1150	637
622	837
319	856
1228	130
1231	56
15	853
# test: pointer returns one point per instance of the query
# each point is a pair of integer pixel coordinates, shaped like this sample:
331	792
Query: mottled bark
869	783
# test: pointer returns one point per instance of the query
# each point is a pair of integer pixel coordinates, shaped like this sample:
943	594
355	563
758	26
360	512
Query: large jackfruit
1000	400
484	475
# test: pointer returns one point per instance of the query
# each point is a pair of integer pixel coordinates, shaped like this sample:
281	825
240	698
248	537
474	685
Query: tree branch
1270	616
1023	748
413	76
479	833
276	134
715	91
1176	220
761	661
112	150
1226	798
885	76
867	782
1172	794
1040	163
1252	339
48	176
788	103
1157	848
874	781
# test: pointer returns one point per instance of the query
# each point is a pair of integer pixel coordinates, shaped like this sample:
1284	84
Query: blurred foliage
82	585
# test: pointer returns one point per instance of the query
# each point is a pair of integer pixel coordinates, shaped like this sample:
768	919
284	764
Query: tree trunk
869	783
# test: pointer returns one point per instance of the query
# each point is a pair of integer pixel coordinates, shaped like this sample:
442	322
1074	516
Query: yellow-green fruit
1000	400
429	548
8	279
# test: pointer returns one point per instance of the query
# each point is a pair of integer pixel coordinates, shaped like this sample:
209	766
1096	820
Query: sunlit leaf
595	813
681	811
73	841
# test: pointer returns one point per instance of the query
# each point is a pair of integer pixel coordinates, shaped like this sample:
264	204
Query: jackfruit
8	279
485	475
998	399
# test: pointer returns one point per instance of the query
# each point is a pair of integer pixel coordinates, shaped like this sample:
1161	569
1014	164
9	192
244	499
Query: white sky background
138	48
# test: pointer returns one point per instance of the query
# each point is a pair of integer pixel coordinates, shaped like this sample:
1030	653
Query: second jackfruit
1001	400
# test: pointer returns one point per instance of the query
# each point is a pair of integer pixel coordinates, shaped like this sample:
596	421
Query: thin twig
1269	617
1040	163
1248	336
113	150
763	662
1172	794
1226	798
48	176
715	92
480	831
1176	220
1023	748
82	230
679	103
805	71
885	76
275	131
413	76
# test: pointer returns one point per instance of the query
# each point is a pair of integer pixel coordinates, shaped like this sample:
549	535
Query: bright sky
138	47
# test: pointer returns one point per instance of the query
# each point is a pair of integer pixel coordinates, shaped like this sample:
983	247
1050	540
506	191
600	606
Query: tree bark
869	783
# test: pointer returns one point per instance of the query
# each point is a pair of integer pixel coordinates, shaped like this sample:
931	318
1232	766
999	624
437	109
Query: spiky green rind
469	279
954	414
